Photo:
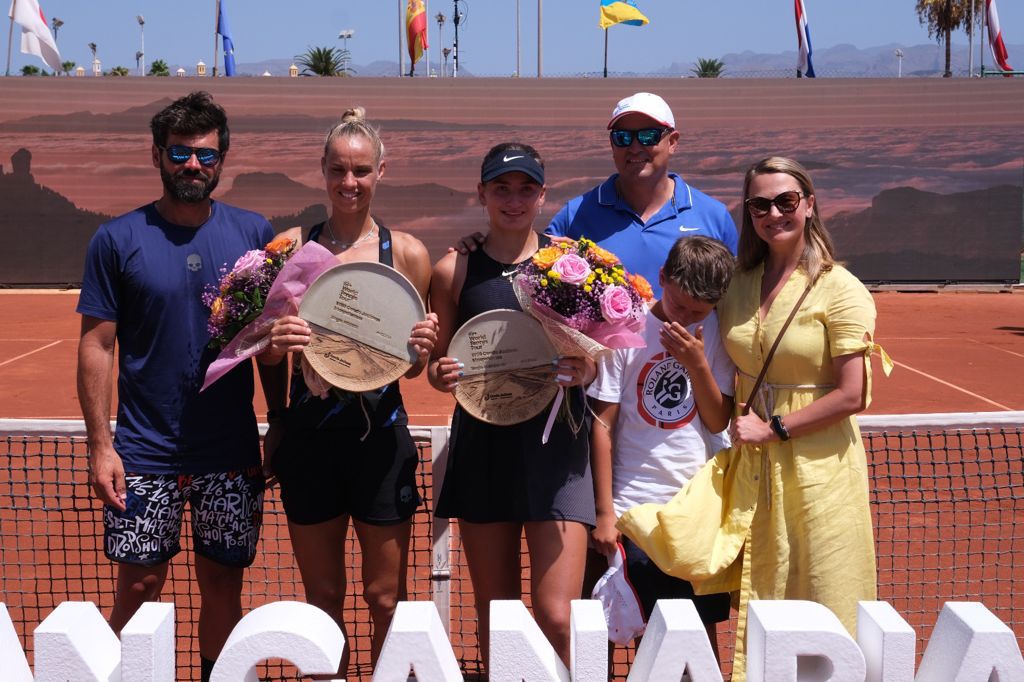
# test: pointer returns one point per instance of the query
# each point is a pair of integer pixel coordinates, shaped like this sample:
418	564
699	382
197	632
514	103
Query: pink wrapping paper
283	299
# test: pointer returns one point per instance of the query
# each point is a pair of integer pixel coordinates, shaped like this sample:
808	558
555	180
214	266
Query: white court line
953	386
25	355
989	345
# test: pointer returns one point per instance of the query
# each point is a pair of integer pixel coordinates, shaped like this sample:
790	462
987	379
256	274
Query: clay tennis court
955	352
946	505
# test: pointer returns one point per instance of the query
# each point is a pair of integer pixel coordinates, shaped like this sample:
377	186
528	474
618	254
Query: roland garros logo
663	393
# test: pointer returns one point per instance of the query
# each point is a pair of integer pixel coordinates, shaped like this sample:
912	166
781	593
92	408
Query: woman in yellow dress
798	523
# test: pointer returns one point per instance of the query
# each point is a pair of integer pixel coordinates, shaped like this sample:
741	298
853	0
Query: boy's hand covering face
686	348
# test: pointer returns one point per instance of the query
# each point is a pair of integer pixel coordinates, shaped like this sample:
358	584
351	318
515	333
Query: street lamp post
899	63
142	44
440	39
344	34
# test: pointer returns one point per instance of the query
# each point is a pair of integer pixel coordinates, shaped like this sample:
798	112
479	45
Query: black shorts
651	585
326	473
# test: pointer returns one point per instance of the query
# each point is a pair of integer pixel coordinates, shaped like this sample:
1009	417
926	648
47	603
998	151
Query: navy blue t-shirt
148	276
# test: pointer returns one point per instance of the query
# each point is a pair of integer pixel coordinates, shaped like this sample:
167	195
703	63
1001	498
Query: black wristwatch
779	428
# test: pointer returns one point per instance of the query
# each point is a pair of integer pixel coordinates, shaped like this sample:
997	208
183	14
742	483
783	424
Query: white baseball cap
619	600
645	103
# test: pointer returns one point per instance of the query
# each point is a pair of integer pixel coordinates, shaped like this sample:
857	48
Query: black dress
504	473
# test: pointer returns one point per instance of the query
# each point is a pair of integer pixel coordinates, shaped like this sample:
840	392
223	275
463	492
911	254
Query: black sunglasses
787	202
648	137
179	154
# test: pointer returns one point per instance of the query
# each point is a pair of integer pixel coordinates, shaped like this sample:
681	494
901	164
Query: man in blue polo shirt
145	272
640	211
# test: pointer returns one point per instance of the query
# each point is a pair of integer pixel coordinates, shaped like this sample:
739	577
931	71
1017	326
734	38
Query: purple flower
572	268
249	263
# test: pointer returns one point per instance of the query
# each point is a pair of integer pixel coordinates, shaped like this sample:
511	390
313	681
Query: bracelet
779	428
275	414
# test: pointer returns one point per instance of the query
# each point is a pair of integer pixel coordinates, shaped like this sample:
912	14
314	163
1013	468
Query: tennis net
947	497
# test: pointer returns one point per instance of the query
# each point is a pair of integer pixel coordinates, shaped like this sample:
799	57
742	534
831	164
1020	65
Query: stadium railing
947	495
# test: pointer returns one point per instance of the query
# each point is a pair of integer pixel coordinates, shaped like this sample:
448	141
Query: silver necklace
348	245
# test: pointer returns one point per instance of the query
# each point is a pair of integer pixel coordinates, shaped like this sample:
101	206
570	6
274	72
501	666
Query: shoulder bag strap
771	353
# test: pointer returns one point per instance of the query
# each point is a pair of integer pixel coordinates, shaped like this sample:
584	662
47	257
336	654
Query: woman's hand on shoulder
468	243
288	334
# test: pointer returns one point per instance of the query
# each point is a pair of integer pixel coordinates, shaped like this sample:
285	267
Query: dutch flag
803	36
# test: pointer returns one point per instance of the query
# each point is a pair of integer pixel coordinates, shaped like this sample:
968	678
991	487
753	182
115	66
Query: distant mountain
847	60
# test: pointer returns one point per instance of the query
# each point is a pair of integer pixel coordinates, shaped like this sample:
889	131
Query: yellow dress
796	522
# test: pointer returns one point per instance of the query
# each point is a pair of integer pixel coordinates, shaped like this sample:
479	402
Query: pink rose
572	268
616	305
248	263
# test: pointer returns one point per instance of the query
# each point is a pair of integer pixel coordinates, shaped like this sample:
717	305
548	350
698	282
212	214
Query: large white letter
887	642
675	640
299	633
588	659
147	644
12	654
75	643
417	640
786	636
970	643
519	650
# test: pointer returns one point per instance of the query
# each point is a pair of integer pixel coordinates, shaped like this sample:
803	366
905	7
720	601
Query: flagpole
216	28
540	41
10	37
970	45
606	53
981	57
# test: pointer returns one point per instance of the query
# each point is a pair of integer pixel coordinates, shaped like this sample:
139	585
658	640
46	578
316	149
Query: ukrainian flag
621	12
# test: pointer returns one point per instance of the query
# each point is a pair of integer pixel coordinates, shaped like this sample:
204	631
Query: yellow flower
587	288
554	275
217	306
543	282
546	257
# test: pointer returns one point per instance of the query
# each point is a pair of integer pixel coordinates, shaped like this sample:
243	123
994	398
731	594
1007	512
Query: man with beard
144	275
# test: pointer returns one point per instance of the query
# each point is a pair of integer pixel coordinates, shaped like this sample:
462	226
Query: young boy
658	408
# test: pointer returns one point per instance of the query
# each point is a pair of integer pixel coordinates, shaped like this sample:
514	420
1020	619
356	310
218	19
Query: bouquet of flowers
584	299
239	298
263	285
580	287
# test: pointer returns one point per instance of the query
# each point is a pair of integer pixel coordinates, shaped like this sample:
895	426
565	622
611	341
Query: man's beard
180	185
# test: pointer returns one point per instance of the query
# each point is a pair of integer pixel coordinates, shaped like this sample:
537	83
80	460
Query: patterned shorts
226	509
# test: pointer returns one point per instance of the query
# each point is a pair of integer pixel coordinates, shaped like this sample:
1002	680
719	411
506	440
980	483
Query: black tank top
487	286
343	409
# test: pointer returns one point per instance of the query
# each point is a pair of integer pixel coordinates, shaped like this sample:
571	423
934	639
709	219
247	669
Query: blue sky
680	31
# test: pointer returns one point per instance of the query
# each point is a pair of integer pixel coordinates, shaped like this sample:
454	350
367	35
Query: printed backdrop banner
919	180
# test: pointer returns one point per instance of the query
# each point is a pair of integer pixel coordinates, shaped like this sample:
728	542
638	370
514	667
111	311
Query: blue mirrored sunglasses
648	137
179	154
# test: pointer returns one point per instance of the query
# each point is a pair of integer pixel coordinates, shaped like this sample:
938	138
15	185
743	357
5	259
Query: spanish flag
416	29
621	12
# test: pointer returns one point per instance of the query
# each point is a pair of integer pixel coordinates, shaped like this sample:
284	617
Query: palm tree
67	67
119	71
92	48
945	16
324	61
159	68
708	68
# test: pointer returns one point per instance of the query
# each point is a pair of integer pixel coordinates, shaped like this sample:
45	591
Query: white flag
35	34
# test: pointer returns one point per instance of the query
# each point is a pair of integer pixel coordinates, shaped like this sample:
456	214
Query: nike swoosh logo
506	159
683	228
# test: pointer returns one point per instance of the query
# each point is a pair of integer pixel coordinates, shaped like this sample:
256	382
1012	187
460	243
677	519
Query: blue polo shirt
148	276
603	216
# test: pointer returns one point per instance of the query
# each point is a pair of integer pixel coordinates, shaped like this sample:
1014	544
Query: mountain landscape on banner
914	186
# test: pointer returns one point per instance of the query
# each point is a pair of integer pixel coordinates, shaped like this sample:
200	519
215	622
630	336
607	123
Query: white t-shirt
660	441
